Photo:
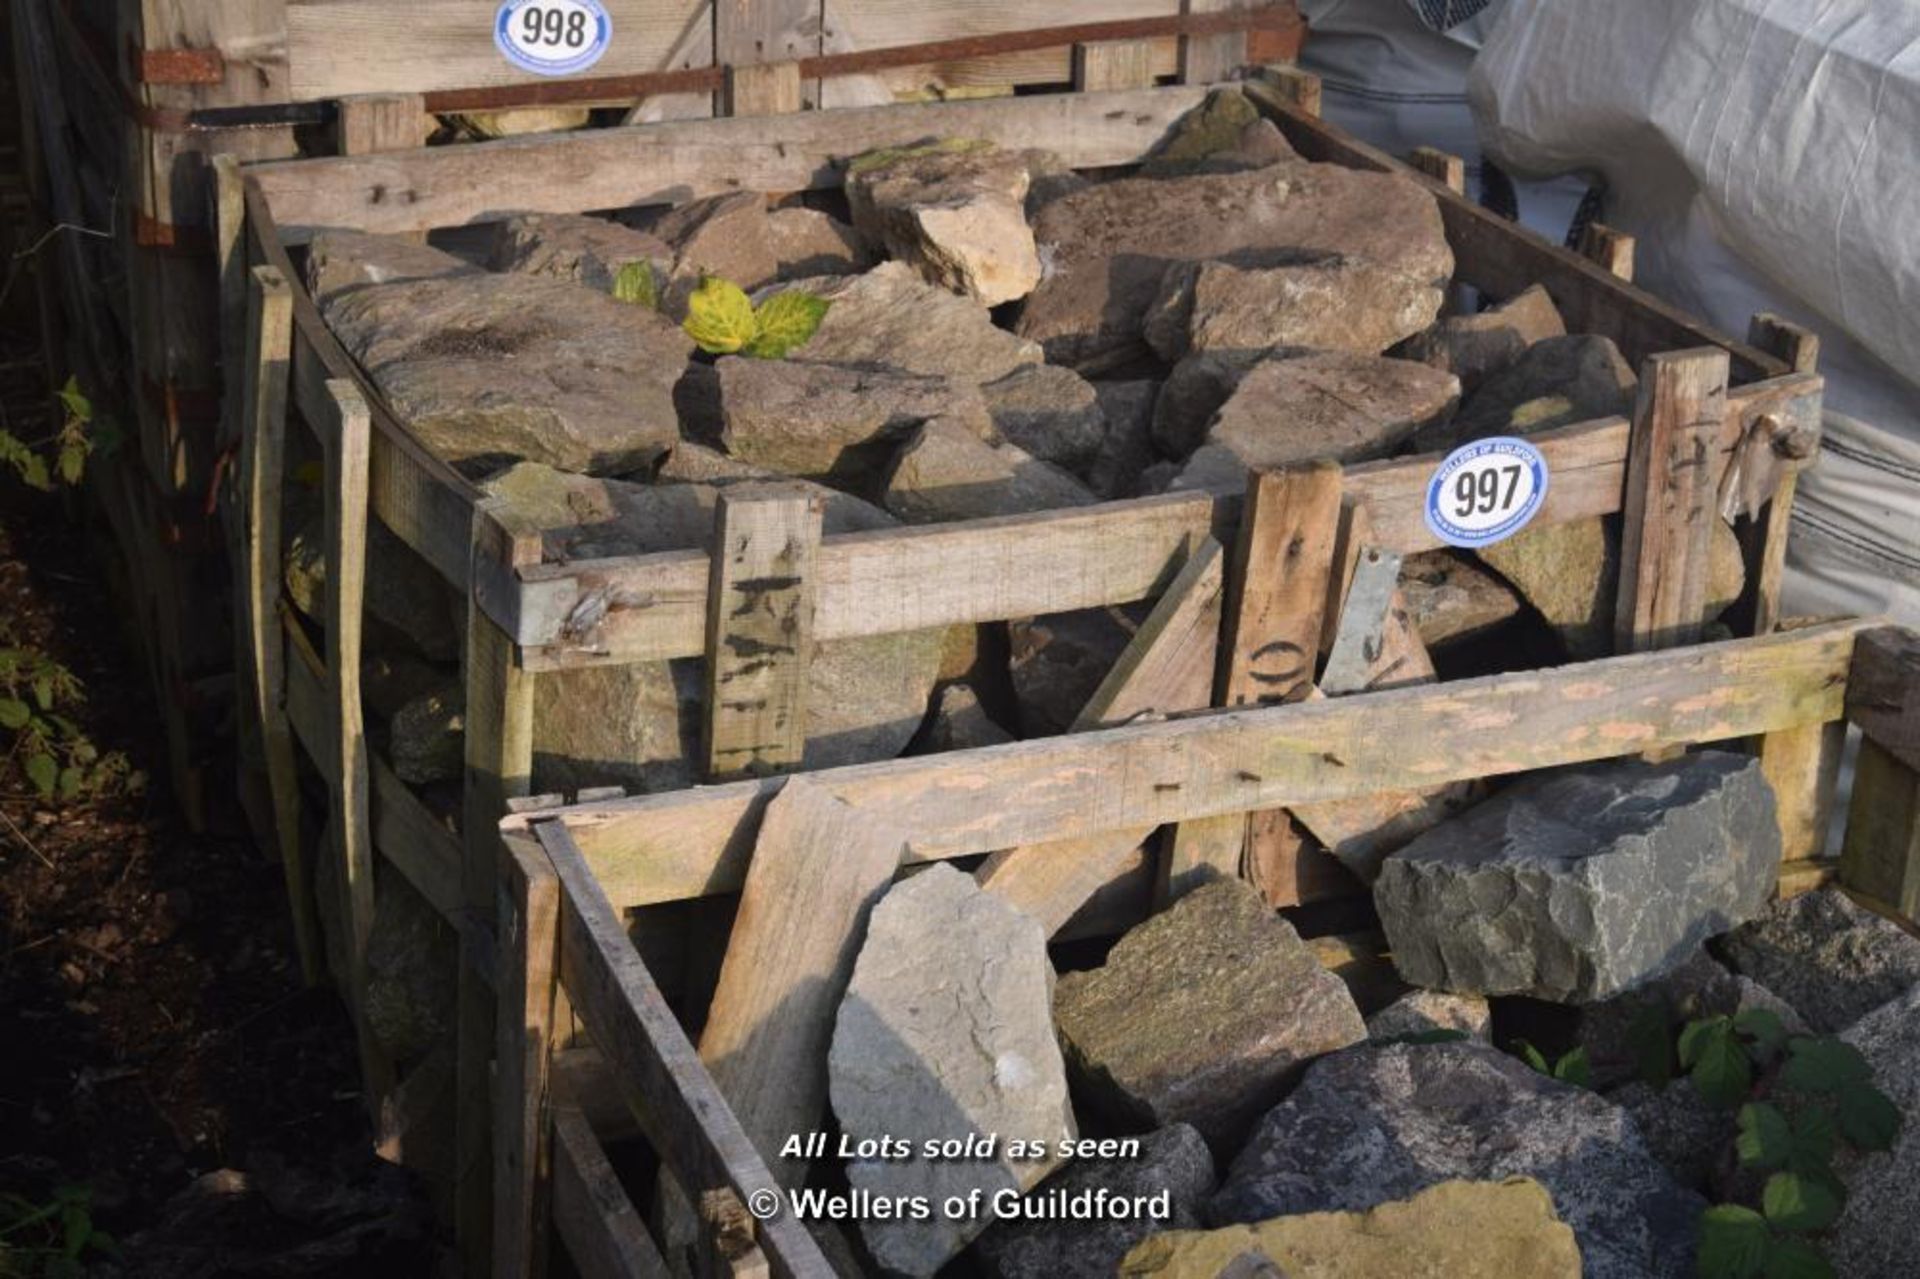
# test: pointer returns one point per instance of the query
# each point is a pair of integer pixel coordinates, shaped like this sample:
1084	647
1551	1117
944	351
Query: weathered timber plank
528	951
1883	692
1167	667
818	867
771	88
1881	854
1613	250
682	160
676	1101
1803	767
368	123
592	1213
1209	59
1441	166
690	844
1108	66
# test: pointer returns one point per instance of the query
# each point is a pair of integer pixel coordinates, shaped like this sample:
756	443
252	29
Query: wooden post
1107	65
760	628
592	1213
1881	856
264	373
348	448
1671	500
1210	59
1301	88
1800	348
369	123
768	88
499	762
1441	167
1610	248
751	32
529	956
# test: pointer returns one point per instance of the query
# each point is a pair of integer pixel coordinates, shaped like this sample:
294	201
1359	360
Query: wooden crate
580	1009
528	619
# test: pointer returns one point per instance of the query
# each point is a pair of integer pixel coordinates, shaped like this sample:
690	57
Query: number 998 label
552	37
1486	491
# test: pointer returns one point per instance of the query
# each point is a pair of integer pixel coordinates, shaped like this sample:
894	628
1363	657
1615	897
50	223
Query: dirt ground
159	1055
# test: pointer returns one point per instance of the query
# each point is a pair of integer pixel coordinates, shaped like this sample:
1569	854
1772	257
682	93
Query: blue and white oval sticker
1486	491
552	37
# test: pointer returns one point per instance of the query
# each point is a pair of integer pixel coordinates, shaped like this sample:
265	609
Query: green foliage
1733	1242
1572	1067
722	320
52	1240
1716	1060
636	284
70	446
55	757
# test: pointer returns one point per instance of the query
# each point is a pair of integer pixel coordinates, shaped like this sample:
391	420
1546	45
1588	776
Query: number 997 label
1486	491
552	37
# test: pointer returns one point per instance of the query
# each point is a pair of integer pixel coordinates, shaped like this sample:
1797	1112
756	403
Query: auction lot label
1486	491
552	37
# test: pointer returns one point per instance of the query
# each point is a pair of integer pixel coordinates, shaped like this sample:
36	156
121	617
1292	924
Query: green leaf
1733	1242
75	402
636	284
43	692
1574	1068
1868	1119
72	463
33	472
13	712
1766	1139
1717	1062
1650	1040
1822	1065
1796	1259
72	778
1532	1056
44	772
784	322
1696	1034
1763	1026
1813	1138
719	317
1796	1202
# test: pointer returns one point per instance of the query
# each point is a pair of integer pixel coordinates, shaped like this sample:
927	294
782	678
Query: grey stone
427	739
960	723
1450	598
1422	1012
340	261
1475	347
1279	238
1058	660
1832	960
584	250
1051	412
405	600
1224	134
1577	885
1173	1159
955	210
1875	1235
1698	987
1688	1134
807	243
1127	451
1350	408
892	318
487	368
948	470
832	422
945	1033
389	680
1555	382
412	969
691	463
1194	391
1202	1015
1373	1124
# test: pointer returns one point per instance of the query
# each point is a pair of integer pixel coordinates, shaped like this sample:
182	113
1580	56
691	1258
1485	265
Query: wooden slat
528	951
1671	501
672	162
1800	348
1167	667
1803	767
592	1213
674	1098
1441	166
1881	855
369	123
760	603
691	844
818	867
772	88
1108	66
1611	249
1883	692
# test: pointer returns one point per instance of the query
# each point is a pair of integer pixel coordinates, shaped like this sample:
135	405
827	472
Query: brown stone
807	243
1051	412
724	235
891	317
948	470
955	211
1554	383
1474	347
1449	597
584	250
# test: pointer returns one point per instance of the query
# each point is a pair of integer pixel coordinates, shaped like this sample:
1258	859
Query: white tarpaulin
1767	154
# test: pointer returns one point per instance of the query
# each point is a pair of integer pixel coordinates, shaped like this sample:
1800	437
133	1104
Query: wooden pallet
1737	401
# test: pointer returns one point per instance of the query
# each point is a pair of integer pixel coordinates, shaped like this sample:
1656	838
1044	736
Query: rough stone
520	121
1351	408
1285	298
1453	1230
1058	660
584	250
1202	1015
1127	451
892	318
488	368
404	597
808	243
1687	1133
1875	1233
724	235
1555	382
1194	391
1475	347
1051	412
945	1033
960	723
1377	1123
1452	599
955	211
832	422
691	463
427	740
412	969
1422	1012
1579	884
948	470
1699	987
339	261
1111	247
1224	134
1174	1160
1832	960
389	680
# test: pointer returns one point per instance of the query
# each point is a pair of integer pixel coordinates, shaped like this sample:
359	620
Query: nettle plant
58	760
722	319
1800	1099
70	445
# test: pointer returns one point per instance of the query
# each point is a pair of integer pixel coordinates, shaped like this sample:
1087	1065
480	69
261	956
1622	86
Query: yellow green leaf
785	321
634	283
719	317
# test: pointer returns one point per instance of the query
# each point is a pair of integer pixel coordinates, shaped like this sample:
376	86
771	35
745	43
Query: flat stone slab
1577	885
1374	1124
949	470
1202	1015
1051	412
891	318
1832	960
945	1033
584	250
